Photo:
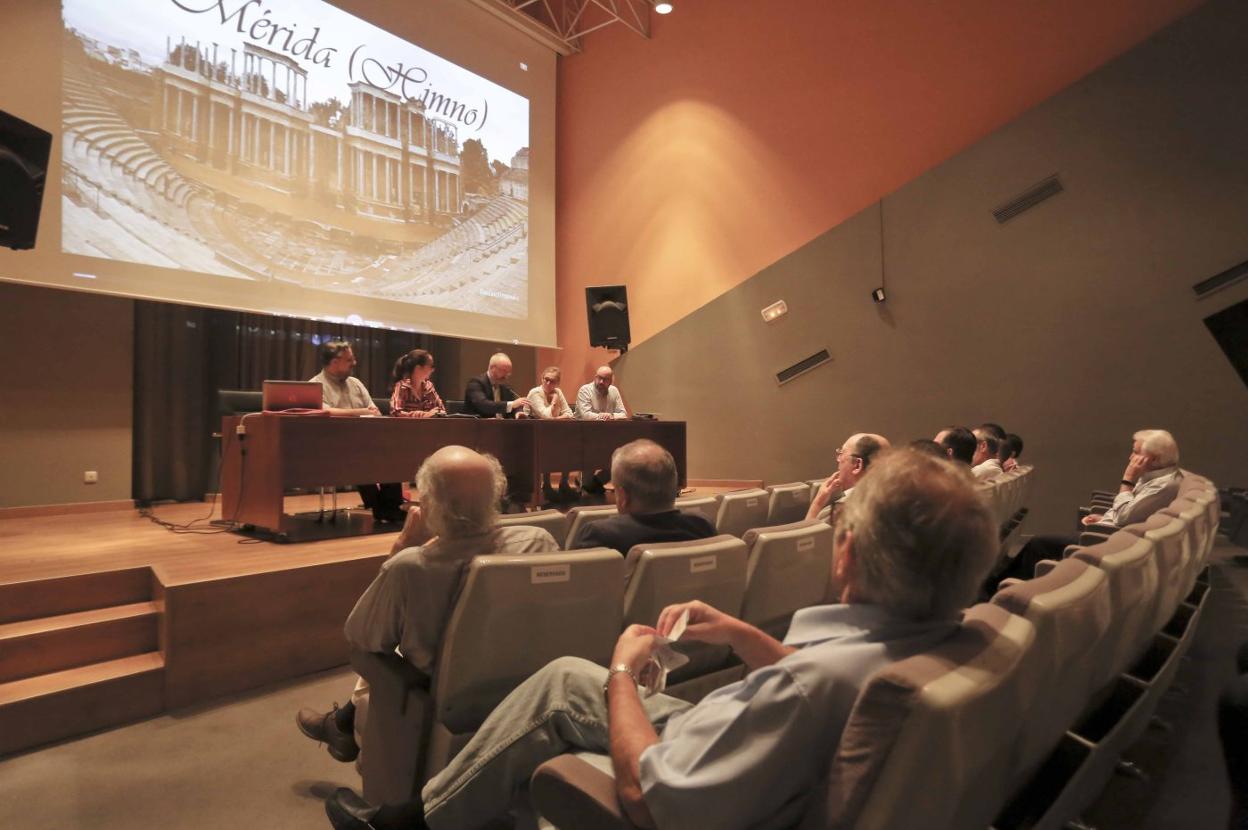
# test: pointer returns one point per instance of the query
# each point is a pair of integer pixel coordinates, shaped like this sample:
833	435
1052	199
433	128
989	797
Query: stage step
66	641
40	598
45	708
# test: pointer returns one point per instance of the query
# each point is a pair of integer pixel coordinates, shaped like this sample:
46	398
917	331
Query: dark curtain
183	355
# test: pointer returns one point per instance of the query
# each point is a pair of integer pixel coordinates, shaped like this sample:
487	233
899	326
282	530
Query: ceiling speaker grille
803	366
1026	201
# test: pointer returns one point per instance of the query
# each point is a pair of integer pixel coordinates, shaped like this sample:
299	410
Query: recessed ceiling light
663	8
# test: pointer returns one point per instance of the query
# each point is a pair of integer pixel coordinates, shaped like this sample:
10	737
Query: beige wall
67	398
1072	325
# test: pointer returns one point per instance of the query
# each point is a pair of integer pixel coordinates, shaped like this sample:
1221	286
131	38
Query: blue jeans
559	709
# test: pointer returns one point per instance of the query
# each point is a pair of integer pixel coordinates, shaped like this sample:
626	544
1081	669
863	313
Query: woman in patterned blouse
414	396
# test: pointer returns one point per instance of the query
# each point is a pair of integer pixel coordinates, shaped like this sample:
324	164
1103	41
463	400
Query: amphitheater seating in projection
114	175
1019	719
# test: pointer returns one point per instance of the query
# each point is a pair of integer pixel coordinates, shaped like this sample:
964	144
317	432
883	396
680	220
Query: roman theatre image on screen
328	154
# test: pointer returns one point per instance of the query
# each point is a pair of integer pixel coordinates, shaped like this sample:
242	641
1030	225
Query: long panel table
275	453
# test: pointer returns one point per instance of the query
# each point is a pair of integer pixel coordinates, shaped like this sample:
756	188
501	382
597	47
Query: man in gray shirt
408	604
600	400
345	395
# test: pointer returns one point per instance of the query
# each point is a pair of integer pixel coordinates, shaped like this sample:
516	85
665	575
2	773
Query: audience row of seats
1018	719
515	614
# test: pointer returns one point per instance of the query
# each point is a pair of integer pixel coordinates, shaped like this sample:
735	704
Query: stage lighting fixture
663	8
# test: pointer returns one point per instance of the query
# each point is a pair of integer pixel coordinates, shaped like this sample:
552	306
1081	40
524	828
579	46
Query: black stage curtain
183	355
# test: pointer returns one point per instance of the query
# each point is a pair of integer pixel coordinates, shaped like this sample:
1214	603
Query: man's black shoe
347	811
324	728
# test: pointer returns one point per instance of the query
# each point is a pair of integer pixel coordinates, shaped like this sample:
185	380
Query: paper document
665	658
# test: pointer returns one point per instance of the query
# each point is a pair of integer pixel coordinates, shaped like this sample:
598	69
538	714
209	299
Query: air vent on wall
803	366
1217	281
1029	199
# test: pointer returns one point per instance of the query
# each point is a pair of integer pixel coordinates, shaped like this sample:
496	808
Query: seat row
1018	719
514	614
736	512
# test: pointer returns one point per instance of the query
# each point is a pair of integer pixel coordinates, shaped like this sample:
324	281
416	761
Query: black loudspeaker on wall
606	306
24	152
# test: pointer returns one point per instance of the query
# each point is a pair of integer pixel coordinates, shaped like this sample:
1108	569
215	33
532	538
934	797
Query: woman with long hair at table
414	395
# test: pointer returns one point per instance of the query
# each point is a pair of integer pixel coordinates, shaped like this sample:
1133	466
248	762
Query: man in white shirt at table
600	400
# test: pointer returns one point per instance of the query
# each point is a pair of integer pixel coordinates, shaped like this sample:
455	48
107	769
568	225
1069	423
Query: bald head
460	491
500	367
855	456
645	477
603	378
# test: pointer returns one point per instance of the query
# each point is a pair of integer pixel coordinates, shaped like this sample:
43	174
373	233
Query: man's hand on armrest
710	625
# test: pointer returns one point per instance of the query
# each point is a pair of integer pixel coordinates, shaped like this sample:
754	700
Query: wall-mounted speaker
24	150
606	307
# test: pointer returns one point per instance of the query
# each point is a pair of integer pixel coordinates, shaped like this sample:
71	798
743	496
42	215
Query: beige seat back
787	503
1196	520
787	569
1070	609
663	574
517	613
932	739
552	521
1130	567
582	515
741	510
705	506
1172	548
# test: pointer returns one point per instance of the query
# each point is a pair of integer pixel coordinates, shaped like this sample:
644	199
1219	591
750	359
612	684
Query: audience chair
933	739
706	506
514	615
787	568
787	503
582	515
552	521
741	510
1070	610
930	737
712	570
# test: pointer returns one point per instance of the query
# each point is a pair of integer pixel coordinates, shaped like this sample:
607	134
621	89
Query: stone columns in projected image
405	163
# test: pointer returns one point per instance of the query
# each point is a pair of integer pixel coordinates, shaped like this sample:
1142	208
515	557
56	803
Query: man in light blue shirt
912	548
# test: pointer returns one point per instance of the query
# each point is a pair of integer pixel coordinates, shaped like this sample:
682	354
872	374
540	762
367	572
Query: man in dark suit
489	396
646	485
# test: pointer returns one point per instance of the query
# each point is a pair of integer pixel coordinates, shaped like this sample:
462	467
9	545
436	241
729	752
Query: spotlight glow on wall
663	8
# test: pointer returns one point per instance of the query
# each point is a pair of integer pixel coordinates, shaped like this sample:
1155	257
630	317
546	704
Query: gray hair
453	512
923	538
1159	444
499	357
647	472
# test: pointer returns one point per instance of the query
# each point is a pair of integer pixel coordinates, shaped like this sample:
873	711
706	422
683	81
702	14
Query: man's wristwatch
618	668
1126	483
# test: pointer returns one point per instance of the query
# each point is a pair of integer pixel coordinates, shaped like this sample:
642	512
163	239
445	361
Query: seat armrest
1044	566
1095	534
572	794
396	729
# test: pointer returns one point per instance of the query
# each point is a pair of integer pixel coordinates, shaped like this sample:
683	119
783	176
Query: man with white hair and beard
911	549
406	607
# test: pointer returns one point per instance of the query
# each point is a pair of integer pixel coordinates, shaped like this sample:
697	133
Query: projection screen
379	163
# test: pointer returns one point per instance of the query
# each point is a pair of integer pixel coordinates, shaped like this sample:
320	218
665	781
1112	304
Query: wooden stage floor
43	547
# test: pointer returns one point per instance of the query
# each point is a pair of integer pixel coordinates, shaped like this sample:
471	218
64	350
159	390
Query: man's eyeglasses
842	451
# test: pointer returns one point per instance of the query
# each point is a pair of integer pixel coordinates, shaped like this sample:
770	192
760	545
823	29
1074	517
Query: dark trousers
1233	730
1023	566
381	497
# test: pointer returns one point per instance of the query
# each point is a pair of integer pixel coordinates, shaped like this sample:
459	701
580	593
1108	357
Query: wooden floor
52	546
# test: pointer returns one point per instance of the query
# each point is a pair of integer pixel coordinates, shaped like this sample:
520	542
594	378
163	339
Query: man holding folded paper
912	548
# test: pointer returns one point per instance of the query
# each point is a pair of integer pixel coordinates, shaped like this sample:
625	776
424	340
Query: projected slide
287	141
